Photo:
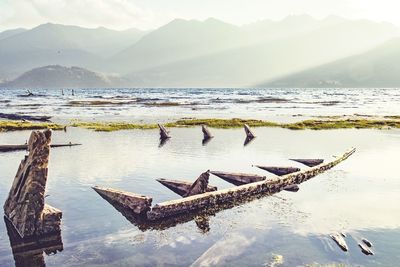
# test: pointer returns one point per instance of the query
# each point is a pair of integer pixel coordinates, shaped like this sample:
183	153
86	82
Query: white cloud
145	14
117	14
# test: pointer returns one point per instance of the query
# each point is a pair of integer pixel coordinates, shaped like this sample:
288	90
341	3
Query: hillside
56	76
378	67
252	64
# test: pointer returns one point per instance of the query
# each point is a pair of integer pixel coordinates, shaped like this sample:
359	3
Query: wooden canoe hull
238	178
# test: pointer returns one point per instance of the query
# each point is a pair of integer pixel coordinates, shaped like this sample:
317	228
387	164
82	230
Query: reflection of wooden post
29	251
248	131
206	132
164	134
25	207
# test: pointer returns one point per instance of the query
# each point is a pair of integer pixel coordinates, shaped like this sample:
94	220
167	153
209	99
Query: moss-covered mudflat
6	126
237	123
312	124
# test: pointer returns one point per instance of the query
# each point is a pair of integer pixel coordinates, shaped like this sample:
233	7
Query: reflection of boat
29	251
203	203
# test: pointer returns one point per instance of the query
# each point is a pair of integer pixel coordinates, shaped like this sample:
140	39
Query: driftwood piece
24	117
280	171
200	186
238	178
9	148
338	238
181	187
291	188
365	249
206	132
25	206
226	196
137	203
164	134
249	132
309	162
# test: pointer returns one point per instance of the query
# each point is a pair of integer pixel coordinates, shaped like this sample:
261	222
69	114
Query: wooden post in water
25	206
249	133
206	132
164	134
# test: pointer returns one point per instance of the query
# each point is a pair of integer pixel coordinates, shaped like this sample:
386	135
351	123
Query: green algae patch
342	124
7	126
112	126
222	123
238	123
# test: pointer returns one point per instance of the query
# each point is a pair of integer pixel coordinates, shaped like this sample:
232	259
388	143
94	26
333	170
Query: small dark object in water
340	241
24	117
206	132
238	178
365	249
248	140
164	134
248	132
280	171
309	162
367	242
291	188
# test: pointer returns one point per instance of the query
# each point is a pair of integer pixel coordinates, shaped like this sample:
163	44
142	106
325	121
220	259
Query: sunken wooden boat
199	199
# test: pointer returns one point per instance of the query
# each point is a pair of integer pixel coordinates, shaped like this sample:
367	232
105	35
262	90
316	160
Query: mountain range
209	53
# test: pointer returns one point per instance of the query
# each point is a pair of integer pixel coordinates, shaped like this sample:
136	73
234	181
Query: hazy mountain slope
60	44
185	39
178	40
56	76
378	67
246	66
9	33
268	30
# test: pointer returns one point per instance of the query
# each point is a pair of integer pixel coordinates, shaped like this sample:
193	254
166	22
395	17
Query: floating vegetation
312	124
7	126
162	104
112	126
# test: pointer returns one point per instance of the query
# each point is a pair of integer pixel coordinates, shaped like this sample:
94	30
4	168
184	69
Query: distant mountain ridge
192	53
55	76
378	67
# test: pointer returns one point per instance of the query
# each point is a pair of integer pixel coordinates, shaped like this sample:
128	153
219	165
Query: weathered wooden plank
280	171
25	206
238	178
309	162
206	132
164	134
137	203
210	199
9	148
249	132
181	187
199	186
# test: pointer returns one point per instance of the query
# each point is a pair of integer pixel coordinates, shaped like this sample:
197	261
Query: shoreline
321	123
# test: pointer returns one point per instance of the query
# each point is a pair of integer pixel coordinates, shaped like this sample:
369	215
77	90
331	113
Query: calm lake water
360	197
142	104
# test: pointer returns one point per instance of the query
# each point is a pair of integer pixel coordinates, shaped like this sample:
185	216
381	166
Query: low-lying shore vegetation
312	124
7	126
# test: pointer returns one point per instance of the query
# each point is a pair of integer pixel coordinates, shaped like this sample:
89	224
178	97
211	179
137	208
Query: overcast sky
148	14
